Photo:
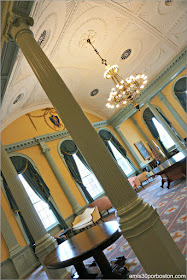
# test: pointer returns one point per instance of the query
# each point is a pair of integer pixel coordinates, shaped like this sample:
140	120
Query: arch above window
154	127
180	91
80	170
116	149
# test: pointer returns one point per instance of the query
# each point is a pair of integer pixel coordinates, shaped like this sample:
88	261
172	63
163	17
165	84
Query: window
46	215
89	180
180	91
123	162
164	136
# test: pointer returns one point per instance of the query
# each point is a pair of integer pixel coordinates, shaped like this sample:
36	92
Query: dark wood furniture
62	235
171	170
89	243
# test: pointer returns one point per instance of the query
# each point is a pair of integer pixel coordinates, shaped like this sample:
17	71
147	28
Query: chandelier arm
127	91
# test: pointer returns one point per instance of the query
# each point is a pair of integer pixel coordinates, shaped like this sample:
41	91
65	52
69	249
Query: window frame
133	170
91	173
173	86
62	158
40	200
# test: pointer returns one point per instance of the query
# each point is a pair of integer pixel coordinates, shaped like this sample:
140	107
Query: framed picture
142	150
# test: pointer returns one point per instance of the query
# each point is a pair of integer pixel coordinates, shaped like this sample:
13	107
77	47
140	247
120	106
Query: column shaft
145	137
24	203
173	112
179	145
43	241
8	235
128	146
136	218
46	151
77	124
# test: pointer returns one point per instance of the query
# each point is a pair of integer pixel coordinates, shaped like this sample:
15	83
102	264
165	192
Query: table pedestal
101	268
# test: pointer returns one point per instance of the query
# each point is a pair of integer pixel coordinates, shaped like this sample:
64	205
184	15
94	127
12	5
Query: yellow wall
131	132
133	135
22	129
167	92
109	127
4	250
13	223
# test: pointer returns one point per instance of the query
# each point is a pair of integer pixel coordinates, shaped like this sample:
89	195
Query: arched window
164	136
35	185
118	152
158	131
88	179
80	170
42	208
180	91
123	162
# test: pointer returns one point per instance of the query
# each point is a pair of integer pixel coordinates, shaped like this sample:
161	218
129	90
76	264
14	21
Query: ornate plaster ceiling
153	31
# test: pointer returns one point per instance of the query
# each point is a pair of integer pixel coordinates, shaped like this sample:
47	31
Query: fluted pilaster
179	145
146	138
128	146
139	221
172	111
8	235
43	241
65	188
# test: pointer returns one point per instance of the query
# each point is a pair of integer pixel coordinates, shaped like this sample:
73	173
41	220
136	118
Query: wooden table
89	243
171	170
60	235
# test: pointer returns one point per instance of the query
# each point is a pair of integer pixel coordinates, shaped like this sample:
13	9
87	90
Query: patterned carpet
170	205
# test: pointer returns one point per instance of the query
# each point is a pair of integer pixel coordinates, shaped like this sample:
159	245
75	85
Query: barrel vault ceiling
155	33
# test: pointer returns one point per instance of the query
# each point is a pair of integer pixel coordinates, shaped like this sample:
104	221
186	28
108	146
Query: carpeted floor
170	205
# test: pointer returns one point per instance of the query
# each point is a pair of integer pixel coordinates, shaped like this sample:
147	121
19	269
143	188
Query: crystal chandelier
125	91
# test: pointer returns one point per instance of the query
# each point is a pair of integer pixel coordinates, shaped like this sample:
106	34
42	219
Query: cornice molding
45	138
174	68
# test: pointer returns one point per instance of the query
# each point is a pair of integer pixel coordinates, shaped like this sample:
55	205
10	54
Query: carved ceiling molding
178	21
72	6
73	40
145	25
133	6
175	67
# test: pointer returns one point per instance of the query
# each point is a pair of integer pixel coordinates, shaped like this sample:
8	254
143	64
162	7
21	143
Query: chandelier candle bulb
127	91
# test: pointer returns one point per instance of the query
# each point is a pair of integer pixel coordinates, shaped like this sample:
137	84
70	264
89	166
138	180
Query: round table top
82	245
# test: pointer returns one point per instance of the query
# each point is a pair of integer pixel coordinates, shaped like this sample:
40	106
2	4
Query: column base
43	247
25	261
149	239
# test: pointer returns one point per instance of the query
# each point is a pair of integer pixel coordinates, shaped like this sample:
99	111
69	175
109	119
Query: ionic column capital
117	128
44	147
16	24
161	96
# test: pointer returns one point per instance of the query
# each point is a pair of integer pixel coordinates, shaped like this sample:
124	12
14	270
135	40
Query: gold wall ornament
51	119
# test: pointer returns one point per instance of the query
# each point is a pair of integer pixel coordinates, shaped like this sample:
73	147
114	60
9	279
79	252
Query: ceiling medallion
42	38
169	2
125	91
94	92
126	54
91	34
18	98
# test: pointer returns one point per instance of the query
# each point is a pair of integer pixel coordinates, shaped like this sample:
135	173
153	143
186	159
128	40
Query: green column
179	145
172	111
128	146
68	193
139	222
